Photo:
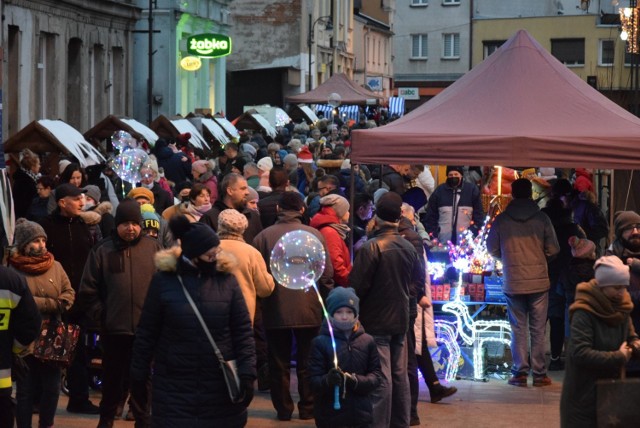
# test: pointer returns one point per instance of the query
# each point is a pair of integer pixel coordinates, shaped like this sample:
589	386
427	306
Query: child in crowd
358	372
602	340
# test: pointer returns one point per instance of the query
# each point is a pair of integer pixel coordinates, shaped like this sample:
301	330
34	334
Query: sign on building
409	93
375	83
209	45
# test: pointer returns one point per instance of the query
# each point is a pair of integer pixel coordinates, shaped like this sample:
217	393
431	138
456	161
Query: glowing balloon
127	165
297	260
120	140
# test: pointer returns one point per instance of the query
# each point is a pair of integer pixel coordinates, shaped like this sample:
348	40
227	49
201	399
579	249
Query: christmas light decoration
446	333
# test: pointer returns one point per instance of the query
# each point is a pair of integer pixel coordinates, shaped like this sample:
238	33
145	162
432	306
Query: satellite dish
334	99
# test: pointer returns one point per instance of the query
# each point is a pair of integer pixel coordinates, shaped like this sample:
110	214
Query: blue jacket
357	354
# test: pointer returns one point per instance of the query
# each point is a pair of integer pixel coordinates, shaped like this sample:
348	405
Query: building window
419	3
606	52
451	2
451	46
568	51
419	46
491	46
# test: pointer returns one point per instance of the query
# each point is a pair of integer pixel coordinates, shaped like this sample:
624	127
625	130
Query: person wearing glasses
38	209
327	185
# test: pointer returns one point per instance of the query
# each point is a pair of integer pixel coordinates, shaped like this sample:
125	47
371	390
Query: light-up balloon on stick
120	140
297	261
127	165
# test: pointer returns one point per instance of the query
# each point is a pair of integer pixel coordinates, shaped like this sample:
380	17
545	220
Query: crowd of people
126	260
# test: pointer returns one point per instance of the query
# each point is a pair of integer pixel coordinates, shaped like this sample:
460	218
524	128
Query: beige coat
49	287
250	272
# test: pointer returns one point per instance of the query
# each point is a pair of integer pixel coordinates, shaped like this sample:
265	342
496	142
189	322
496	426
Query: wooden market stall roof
304	112
172	128
110	124
251	119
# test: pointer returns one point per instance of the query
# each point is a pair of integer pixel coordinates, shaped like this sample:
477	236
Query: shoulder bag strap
202	323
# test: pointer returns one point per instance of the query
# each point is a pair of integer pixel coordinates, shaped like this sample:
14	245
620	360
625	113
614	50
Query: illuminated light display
191	63
209	45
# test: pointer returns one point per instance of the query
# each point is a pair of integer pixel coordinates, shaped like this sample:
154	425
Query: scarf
31	174
196	212
590	298
342	229
32	265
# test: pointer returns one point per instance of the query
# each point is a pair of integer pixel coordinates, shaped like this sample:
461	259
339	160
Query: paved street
491	404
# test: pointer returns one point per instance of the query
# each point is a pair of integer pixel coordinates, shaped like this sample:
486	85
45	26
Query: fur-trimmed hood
167	260
94	215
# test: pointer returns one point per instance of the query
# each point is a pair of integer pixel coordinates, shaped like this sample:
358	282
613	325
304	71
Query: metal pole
150	81
309	42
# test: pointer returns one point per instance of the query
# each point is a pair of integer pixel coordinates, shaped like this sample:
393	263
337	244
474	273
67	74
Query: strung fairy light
436	269
446	333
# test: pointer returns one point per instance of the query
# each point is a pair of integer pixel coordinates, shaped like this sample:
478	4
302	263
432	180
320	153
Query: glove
334	377
247	388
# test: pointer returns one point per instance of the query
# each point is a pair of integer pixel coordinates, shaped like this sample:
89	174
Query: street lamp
328	26
629	23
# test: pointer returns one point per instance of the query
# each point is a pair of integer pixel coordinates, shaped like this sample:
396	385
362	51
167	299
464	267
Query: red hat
305	156
184	138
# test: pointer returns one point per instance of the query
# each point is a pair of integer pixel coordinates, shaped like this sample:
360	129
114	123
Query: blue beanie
341	297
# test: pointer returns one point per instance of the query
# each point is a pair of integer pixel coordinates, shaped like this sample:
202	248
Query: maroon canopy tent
521	106
350	93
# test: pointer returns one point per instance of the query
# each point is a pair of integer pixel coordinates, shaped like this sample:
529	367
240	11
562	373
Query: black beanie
195	238
460	169
389	207
521	189
128	210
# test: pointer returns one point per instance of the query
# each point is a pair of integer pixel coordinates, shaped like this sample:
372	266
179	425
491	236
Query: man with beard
626	246
453	207
112	291
234	191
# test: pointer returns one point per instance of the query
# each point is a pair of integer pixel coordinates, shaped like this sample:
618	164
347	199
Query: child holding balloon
358	370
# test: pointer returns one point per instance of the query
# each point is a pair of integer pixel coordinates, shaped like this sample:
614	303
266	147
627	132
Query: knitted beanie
623	219
339	204
611	271
25	232
460	169
582	248
93	192
389	207
150	219
341	297
232	222
128	210
141	192
195	238
265	164
253	195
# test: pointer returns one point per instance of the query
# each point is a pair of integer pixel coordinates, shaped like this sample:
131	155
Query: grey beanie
611	271
93	192
25	232
341	297
339	204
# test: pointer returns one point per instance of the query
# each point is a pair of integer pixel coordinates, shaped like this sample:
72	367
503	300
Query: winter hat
611	271
290	160
282	153
528	171
343	297
200	166
290	201
141	192
68	189
265	164
548	173
305	156
339	204
128	210
460	169
295	145
62	165
195	238
150	219
521	189
25	232
253	195
93	192
232	222
389	207
623	219
582	248
378	194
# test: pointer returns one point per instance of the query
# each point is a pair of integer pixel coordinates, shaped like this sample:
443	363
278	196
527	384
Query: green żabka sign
209	45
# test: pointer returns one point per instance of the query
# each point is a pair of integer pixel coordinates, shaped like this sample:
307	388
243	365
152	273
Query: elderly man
114	285
53	294
234	192
523	238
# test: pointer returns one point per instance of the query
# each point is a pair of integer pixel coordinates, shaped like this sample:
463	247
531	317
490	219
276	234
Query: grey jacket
522	237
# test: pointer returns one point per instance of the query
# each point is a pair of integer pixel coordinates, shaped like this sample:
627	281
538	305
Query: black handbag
616	402
229	368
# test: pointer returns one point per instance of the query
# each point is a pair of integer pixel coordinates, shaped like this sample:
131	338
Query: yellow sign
191	63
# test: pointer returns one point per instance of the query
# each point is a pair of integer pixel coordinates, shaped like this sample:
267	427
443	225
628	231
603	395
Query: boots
438	392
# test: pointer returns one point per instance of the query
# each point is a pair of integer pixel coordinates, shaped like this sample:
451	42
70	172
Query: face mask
147	186
453	181
88	206
207	268
343	325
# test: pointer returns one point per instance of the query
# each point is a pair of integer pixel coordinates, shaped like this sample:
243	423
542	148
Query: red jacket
338	251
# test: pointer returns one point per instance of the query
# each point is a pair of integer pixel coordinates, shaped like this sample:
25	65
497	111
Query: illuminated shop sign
191	63
209	45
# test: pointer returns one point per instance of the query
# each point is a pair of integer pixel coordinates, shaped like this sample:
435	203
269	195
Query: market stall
172	128
251	119
104	129
299	112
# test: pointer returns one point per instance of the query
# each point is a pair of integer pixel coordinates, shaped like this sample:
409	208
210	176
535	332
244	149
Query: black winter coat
23	192
357	354
211	218
177	166
383	273
188	386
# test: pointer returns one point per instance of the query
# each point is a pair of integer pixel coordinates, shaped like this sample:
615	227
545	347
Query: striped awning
396	106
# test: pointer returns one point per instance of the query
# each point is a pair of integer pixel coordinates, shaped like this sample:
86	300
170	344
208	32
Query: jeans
528	316
392	399
48	378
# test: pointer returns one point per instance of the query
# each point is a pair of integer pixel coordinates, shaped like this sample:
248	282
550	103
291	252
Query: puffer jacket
16	303
115	282
287	308
338	251
383	272
177	166
188	385
439	219
522	237
358	355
